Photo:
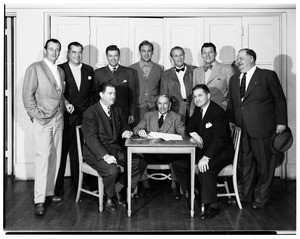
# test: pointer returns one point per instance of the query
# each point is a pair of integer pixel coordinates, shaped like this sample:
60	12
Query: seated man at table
165	121
209	127
103	127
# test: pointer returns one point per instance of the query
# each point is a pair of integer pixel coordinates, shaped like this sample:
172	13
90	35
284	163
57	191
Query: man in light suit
103	127
79	79
148	81
162	120
124	80
209	127
177	82
44	102
213	74
258	106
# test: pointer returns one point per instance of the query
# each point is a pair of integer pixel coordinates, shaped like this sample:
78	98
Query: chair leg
101	192
235	187
226	187
79	186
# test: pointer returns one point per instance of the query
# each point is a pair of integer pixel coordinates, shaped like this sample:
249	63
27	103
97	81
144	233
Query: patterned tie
243	86
206	67
109	112
114	69
160	121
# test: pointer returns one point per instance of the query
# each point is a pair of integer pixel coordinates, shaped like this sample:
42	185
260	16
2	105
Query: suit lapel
105	119
51	76
167	123
72	82
253	82
205	119
84	78
214	72
154	121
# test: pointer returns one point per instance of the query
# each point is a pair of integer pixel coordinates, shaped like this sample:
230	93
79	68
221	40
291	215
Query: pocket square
124	81
208	125
89	77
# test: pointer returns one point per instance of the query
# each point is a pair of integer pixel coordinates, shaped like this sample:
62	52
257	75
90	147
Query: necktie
243	86
178	70
206	67
109	112
201	113
160	121
114	70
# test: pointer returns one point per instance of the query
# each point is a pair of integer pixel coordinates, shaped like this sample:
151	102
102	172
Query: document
164	136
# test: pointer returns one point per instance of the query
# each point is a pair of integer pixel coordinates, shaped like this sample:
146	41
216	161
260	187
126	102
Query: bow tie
206	67
178	70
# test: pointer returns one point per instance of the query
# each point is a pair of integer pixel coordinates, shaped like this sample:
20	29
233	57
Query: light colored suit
217	83
173	123
43	101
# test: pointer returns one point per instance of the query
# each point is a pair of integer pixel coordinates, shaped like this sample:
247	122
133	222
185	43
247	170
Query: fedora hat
281	142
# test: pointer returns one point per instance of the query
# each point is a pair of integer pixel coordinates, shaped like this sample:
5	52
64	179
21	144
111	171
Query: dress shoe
119	200
210	212
175	193
39	209
110	205
257	205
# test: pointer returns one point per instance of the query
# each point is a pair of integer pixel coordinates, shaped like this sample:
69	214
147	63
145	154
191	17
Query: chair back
236	144
79	144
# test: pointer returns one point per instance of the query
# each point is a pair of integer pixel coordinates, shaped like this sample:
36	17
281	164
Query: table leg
193	155
129	165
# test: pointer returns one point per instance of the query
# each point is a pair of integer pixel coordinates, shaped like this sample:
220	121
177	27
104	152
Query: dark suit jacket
264	104
124	81
173	123
215	132
81	99
170	85
99	137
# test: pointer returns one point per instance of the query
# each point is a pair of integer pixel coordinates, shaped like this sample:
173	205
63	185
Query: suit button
242	108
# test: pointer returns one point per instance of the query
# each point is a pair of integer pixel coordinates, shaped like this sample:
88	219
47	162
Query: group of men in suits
189	100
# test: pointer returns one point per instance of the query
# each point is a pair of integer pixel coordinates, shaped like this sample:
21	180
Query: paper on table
165	136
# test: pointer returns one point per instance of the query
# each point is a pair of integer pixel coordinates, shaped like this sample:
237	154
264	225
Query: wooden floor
157	213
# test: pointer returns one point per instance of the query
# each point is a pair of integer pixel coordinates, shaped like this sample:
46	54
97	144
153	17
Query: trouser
69	145
47	142
112	175
256	168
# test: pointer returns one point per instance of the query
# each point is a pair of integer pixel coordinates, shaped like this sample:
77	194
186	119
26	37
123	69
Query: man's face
108	97
75	55
178	58
208	55
163	104
200	97
113	58
244	61
52	52
146	53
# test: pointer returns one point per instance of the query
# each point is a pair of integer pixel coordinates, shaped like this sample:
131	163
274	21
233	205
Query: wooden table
159	146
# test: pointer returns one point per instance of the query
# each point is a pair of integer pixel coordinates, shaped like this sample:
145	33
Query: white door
105	32
151	29
184	32
70	29
226	34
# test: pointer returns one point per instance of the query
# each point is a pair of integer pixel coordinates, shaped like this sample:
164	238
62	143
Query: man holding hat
257	105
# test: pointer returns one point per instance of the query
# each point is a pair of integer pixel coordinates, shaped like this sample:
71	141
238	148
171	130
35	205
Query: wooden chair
85	168
231	170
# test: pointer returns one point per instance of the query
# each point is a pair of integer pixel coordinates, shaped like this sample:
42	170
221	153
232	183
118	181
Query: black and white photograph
165	118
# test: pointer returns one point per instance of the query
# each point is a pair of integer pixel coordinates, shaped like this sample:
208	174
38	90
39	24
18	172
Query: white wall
32	32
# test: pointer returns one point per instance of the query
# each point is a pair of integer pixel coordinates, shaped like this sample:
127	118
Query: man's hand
197	138
203	164
70	108
232	128
109	159
142	133
280	128
130	119
127	134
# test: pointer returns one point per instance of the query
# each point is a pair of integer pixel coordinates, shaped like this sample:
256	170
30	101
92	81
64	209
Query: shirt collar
105	108
249	73
112	68
50	64
159	115
143	64
204	109
75	67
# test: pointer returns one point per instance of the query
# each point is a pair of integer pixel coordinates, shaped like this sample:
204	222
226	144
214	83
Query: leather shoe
110	205
210	213
39	209
257	205
119	200
175	193
56	199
